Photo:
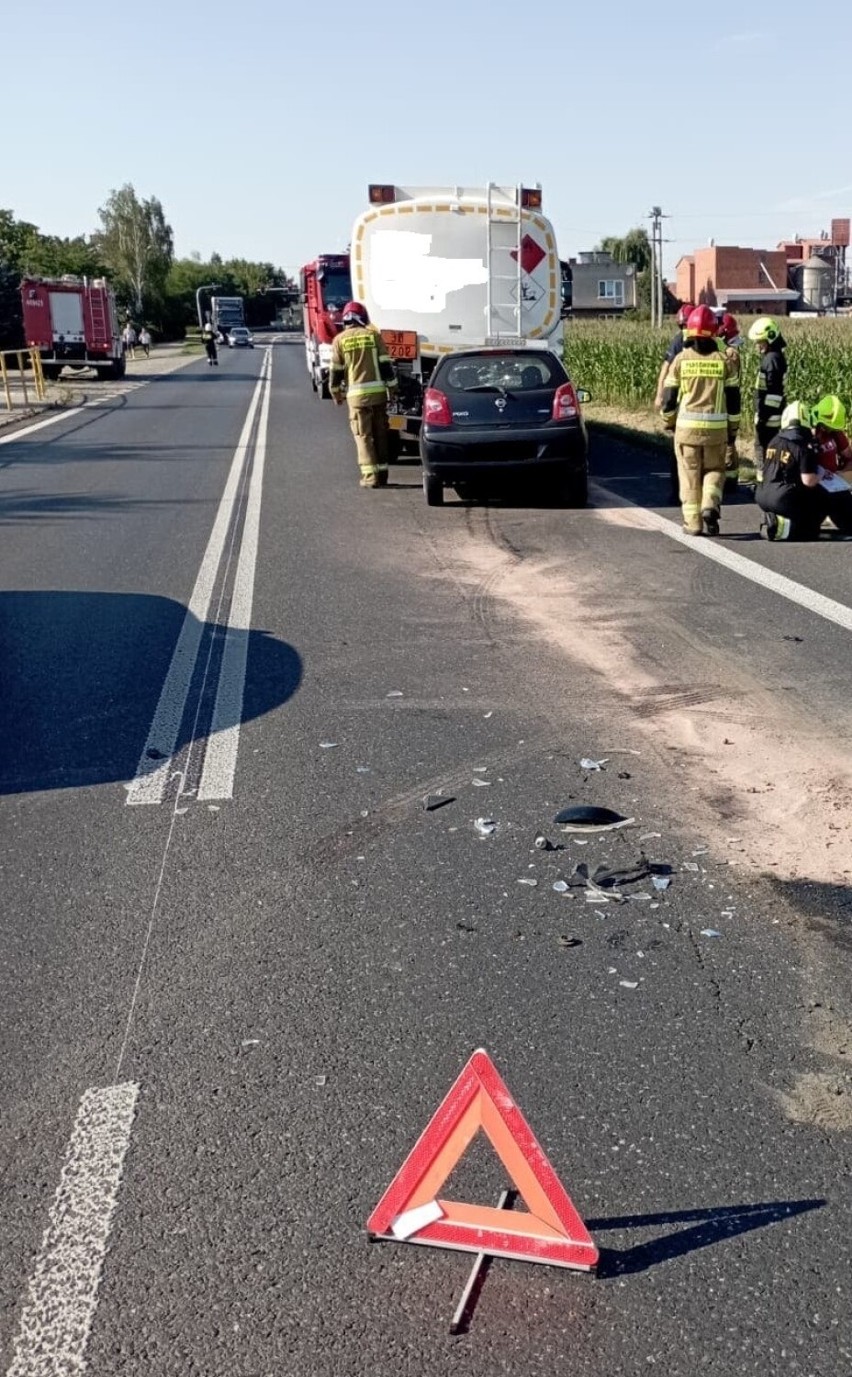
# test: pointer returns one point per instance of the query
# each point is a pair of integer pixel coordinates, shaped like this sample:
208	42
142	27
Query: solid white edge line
63	1291
153	773
220	757
767	579
41	425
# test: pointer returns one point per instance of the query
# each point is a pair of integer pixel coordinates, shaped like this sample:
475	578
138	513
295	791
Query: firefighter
791	491
769	395
360	362
730	342
701	404
828	422
673	350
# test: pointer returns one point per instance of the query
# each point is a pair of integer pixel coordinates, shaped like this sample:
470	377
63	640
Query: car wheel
573	490
434	490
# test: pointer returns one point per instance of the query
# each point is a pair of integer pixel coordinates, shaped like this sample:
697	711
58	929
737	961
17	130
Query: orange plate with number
402	344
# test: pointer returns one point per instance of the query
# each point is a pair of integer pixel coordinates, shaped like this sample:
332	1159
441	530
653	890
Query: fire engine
325	289
72	320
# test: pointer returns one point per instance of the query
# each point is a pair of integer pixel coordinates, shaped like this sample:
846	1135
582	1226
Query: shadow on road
708	1228
80	680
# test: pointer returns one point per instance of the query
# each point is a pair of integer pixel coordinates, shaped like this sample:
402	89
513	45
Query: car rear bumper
464	456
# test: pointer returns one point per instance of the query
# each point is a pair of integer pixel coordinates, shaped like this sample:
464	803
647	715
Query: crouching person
796	493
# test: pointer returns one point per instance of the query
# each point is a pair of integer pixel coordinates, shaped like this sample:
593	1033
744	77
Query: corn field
619	361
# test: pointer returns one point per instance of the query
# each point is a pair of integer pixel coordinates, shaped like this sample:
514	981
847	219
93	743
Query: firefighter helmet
684	313
829	412
701	323
728	328
764	331
795	414
355	314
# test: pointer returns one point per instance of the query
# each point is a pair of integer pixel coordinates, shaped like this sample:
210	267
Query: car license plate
402	344
396	422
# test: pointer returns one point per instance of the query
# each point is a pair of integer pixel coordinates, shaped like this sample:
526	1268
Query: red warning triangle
550	1231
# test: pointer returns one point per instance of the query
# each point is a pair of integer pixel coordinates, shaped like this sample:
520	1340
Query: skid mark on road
60	1305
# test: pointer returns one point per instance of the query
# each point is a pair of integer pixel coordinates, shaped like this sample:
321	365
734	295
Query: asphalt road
241	963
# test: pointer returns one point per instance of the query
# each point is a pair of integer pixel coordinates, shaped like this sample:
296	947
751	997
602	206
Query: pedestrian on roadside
796	493
208	335
128	339
769	401
145	340
673	350
360	363
828	422
701	404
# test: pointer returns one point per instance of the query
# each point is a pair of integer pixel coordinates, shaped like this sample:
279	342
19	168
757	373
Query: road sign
550	1230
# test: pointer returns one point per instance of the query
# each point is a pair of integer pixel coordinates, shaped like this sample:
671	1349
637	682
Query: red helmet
728	328
684	313
354	313
701	323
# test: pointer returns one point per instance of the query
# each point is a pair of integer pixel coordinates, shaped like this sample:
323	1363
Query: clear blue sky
259	123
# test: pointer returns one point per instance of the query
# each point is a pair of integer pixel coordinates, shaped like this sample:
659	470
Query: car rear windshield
518	371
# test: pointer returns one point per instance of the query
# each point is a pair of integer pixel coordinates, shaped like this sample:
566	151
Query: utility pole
656	217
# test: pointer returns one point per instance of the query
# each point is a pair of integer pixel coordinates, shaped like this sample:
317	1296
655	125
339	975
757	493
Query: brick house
751	281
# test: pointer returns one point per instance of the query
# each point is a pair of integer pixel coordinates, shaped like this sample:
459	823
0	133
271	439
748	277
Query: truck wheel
434	490
117	369
51	371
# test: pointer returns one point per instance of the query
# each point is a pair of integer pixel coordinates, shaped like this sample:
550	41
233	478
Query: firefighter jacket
769	394
701	396
789	454
360	362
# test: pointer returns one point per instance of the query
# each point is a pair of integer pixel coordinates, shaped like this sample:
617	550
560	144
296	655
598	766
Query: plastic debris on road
589	818
362	769
481	783
690	865
661	881
561	886
710	932
566	941
587	764
486	827
542	844
328	745
528	880
629	984
320	1080
394	693
434	801
486	715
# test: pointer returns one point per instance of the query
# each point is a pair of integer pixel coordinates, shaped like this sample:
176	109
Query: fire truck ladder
503	252
98	314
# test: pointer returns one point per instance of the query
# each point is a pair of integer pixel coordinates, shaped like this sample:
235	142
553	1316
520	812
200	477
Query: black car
497	416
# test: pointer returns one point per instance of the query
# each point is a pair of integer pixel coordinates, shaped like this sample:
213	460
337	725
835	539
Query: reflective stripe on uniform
772	399
367	389
698	418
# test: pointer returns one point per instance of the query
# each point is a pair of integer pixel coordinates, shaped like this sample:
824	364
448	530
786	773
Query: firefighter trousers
701	475
369	425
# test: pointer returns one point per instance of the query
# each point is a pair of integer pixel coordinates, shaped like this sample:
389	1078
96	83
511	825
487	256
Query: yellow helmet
764	331
829	412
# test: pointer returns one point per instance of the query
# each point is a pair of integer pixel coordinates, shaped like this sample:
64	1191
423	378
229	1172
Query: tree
137	243
634	247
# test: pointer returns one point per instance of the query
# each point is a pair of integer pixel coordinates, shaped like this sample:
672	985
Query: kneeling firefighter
360	362
792	491
701	404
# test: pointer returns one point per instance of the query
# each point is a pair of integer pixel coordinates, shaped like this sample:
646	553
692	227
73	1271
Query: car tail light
565	404
436	408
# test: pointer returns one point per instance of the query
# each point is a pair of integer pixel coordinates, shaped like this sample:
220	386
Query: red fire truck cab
325	289
72	320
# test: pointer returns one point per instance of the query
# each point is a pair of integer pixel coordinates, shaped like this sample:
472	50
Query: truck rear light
436	408
381	195
565	404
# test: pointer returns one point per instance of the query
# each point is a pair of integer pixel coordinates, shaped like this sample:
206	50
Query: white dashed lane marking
63	1292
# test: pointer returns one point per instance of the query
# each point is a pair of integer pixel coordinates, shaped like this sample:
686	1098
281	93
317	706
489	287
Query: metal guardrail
8	370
